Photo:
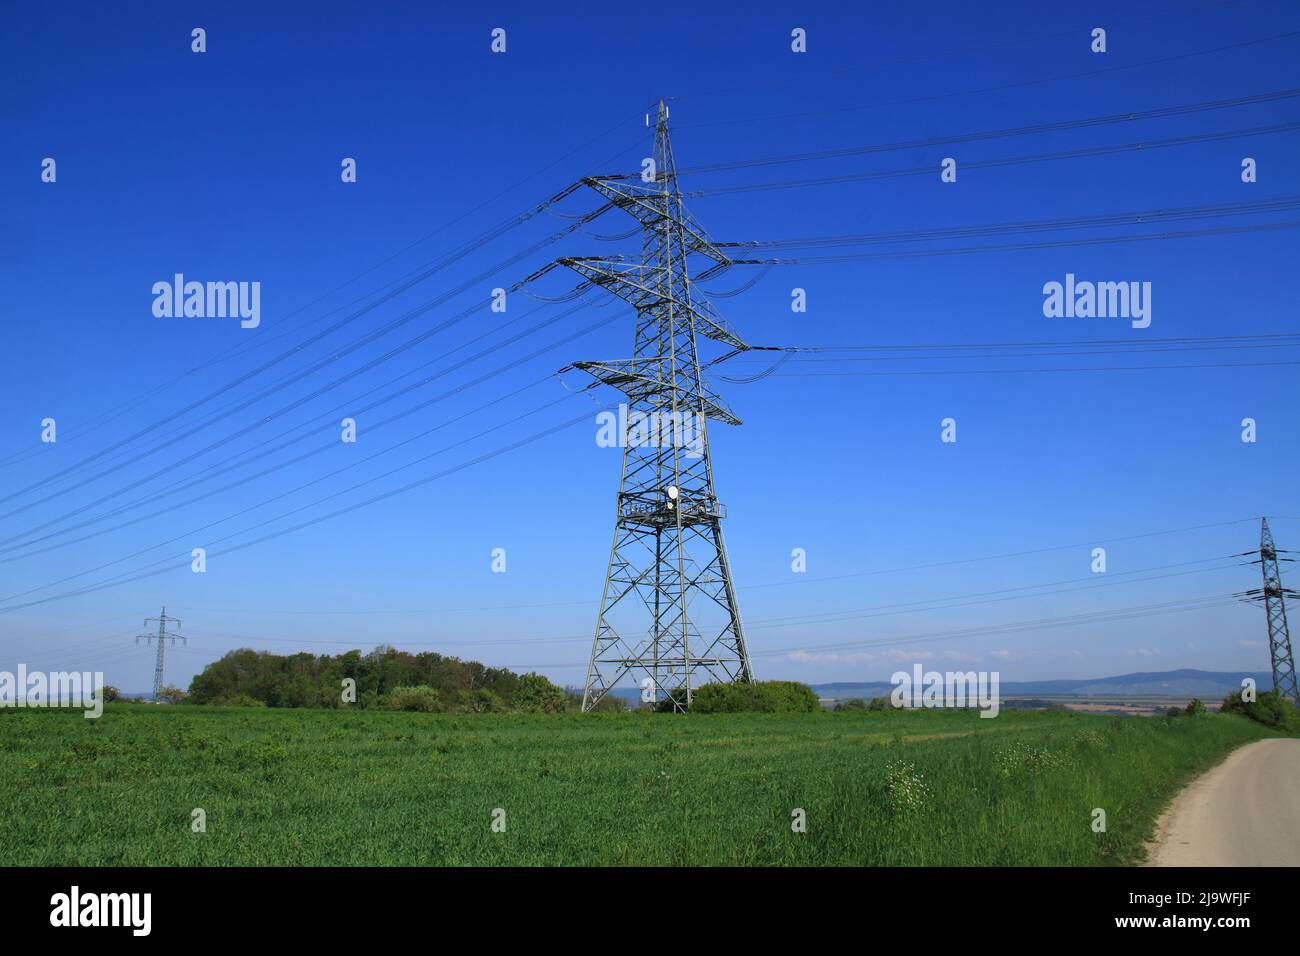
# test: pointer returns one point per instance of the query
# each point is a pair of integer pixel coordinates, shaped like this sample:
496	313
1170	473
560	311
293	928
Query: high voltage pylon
161	637
1273	596
668	613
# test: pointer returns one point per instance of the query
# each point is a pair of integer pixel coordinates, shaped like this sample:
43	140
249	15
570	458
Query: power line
1210	341
293	491
984	45
129	577
298	376
1027	246
1011	350
262	341
1079	153
401	286
1076	620
1102	616
335	356
1024	371
1142	217
995	596
209	494
832	617
796	579
1110	119
279	443
999	88
1072	620
1105	616
1114	539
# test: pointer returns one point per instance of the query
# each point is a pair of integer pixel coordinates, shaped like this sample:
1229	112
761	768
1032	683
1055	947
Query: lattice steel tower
161	637
668	614
1273	596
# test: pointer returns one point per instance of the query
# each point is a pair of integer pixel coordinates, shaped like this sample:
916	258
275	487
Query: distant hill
1208	685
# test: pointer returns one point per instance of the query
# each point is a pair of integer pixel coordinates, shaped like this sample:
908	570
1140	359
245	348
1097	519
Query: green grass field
304	787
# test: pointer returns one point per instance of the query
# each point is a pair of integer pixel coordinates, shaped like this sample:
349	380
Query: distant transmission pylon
1273	596
668	614
161	637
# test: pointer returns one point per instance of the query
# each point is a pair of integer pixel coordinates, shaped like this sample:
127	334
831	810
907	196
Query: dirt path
1244	812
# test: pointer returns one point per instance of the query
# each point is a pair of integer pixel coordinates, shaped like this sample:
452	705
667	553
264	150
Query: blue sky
225	165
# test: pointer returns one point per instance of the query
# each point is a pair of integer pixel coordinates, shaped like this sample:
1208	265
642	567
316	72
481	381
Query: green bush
1270	709
481	701
537	695
422	698
767	696
1195	708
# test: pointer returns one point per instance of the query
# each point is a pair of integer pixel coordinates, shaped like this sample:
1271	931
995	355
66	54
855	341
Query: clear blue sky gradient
225	166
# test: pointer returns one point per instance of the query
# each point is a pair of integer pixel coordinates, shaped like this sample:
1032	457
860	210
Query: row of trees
250	678
429	682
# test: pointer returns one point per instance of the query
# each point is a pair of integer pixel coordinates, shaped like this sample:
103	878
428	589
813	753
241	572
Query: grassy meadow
318	787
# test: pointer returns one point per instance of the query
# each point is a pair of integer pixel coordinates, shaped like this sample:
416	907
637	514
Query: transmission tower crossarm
636	284
636	378
641	201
